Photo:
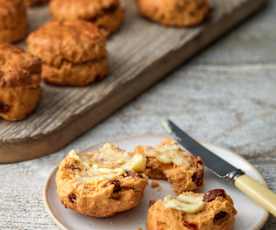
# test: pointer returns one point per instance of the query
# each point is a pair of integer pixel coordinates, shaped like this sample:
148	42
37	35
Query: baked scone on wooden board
19	83
103	182
13	21
213	210
141	54
108	15
73	52
178	13
167	161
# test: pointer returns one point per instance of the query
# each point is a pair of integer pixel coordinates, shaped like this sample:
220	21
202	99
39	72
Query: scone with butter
103	182
213	210
168	161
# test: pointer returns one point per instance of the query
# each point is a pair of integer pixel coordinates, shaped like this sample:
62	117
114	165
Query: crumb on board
139	228
155	184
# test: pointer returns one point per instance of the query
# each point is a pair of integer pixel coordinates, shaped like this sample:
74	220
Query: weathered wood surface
225	96
140	55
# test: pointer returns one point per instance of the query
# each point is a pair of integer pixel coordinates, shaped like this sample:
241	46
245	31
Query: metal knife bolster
234	175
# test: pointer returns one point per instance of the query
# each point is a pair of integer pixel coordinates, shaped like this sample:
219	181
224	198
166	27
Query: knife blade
216	164
255	190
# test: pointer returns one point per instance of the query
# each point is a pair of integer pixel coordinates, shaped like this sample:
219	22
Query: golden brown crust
73	41
69	74
110	22
186	177
18	68
81	9
97	197
179	13
19	82
35	2
217	214
107	14
18	102
13	20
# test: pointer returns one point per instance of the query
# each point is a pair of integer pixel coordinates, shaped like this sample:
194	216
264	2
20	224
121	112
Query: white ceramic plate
250	216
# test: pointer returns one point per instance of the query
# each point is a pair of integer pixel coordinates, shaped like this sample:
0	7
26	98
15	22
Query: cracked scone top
73	52
108	15
213	210
69	41
101	183
178	13
168	161
19	82
13	20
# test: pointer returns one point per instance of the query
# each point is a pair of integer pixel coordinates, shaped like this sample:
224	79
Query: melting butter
170	154
185	202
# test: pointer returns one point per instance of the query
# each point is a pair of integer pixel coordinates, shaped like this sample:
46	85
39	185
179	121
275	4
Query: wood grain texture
225	96
140	55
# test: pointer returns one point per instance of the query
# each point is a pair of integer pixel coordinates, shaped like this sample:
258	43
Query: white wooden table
226	96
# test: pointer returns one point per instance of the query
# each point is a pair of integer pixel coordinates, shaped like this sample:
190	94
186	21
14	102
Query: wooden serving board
141	54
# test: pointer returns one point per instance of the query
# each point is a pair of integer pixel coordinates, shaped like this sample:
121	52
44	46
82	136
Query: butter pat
137	163
97	173
171	154
185	203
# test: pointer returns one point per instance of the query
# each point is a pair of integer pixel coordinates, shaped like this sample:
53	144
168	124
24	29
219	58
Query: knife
253	189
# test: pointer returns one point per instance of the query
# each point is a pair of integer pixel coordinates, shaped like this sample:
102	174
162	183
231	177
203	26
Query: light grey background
226	96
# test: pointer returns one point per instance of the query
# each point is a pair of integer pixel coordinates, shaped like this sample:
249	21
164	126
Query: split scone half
213	210
108	15
13	20
20	77
103	182
73	52
168	161
176	13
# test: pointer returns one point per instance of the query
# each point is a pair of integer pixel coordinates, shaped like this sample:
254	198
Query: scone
178	13
73	52
213	210
103	182
35	2
108	15
13	20
19	83
168	161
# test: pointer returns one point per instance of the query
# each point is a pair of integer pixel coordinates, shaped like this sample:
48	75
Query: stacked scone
108	15
109	180
73	52
19	83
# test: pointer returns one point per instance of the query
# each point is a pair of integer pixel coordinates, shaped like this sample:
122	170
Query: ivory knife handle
257	192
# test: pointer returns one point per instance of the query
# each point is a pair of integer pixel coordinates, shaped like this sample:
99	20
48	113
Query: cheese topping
185	202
